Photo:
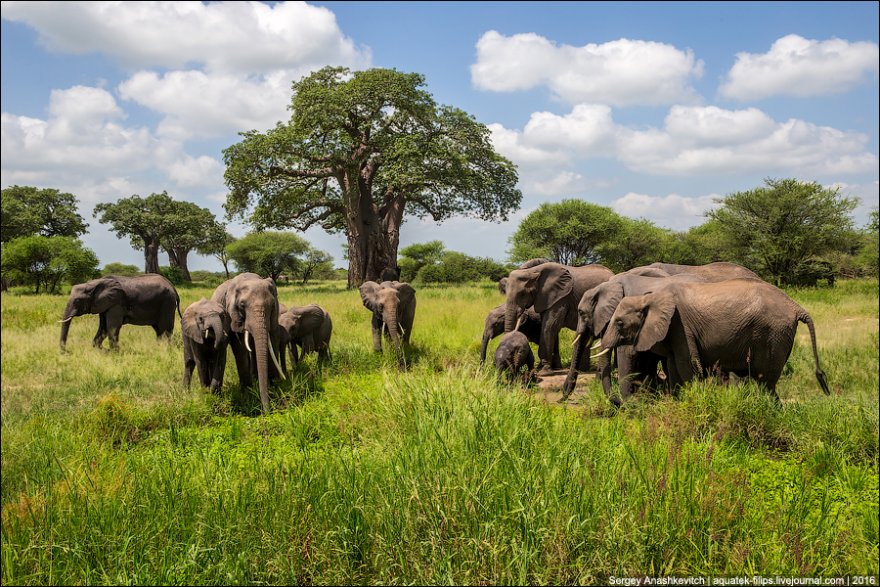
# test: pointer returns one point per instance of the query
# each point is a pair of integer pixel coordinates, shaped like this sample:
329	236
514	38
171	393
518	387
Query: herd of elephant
666	324
243	315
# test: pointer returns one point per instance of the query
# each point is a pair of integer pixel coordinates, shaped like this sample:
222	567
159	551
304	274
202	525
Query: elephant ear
555	283
189	322
311	318
107	293
608	297
405	292
369	290
659	309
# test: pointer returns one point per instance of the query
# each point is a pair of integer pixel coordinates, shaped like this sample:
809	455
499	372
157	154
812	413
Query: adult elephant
252	305
145	300
205	328
555	291
742	326
594	312
309	328
393	305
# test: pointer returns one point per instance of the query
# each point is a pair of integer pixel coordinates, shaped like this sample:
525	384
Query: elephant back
587	277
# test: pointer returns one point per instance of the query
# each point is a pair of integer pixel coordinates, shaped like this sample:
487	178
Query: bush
460	268
43	262
172	274
120	269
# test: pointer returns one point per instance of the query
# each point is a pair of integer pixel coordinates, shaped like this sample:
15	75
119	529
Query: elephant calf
309	328
512	354
205	327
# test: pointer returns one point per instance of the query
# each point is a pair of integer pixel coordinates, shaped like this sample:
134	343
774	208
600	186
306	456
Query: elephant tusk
576	339
275	360
206	333
246	345
600	354
402	331
67	320
597	344
519	321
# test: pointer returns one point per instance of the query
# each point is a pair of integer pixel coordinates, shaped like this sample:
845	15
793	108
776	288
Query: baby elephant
512	354
205	327
310	329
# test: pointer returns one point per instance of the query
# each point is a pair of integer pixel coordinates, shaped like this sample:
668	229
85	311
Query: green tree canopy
28	210
635	243
44	262
158	221
569	232
269	253
782	228
416	256
360	150
123	269
185	227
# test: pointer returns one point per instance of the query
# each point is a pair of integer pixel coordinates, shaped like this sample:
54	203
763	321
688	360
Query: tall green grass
363	474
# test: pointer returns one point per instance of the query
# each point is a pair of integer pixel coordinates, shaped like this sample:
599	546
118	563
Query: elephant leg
188	364
377	335
242	362
218	371
551	324
102	330
114	325
556	363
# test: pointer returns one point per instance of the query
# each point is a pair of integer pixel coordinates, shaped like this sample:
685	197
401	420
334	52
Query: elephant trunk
390	319
216	326
581	342
69	314
487	336
510	316
261	348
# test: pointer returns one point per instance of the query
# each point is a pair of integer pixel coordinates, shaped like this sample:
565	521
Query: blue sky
654	109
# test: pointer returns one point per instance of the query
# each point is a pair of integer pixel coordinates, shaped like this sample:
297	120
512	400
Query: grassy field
112	473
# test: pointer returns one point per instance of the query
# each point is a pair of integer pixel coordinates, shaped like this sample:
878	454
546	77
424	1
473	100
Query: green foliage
268	253
28	211
570	232
635	243
120	269
779	229
361	147
416	256
44	262
457	267
172	274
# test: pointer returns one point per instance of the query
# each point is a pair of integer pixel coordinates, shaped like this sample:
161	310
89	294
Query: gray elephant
594	312
252	305
145	300
205	326
309	328
711	271
393	305
530	325
514	353
744	326
555	291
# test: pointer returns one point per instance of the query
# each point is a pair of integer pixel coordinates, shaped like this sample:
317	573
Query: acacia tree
141	220
268	253
360	150
781	228
185	227
28	210
570	232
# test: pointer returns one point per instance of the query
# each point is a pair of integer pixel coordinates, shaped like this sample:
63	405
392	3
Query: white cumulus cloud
624	72
221	36
795	66
671	211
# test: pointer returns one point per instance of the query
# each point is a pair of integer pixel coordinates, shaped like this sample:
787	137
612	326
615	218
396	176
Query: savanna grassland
112	473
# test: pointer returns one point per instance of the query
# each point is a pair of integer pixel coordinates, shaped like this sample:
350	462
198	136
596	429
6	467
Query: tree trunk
151	256
177	258
373	236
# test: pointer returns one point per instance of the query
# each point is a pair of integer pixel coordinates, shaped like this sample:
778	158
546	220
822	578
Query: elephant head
386	301
252	305
541	286
93	297
640	321
205	320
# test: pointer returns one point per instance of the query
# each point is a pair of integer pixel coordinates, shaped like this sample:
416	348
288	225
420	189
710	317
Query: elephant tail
820	374
177	300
